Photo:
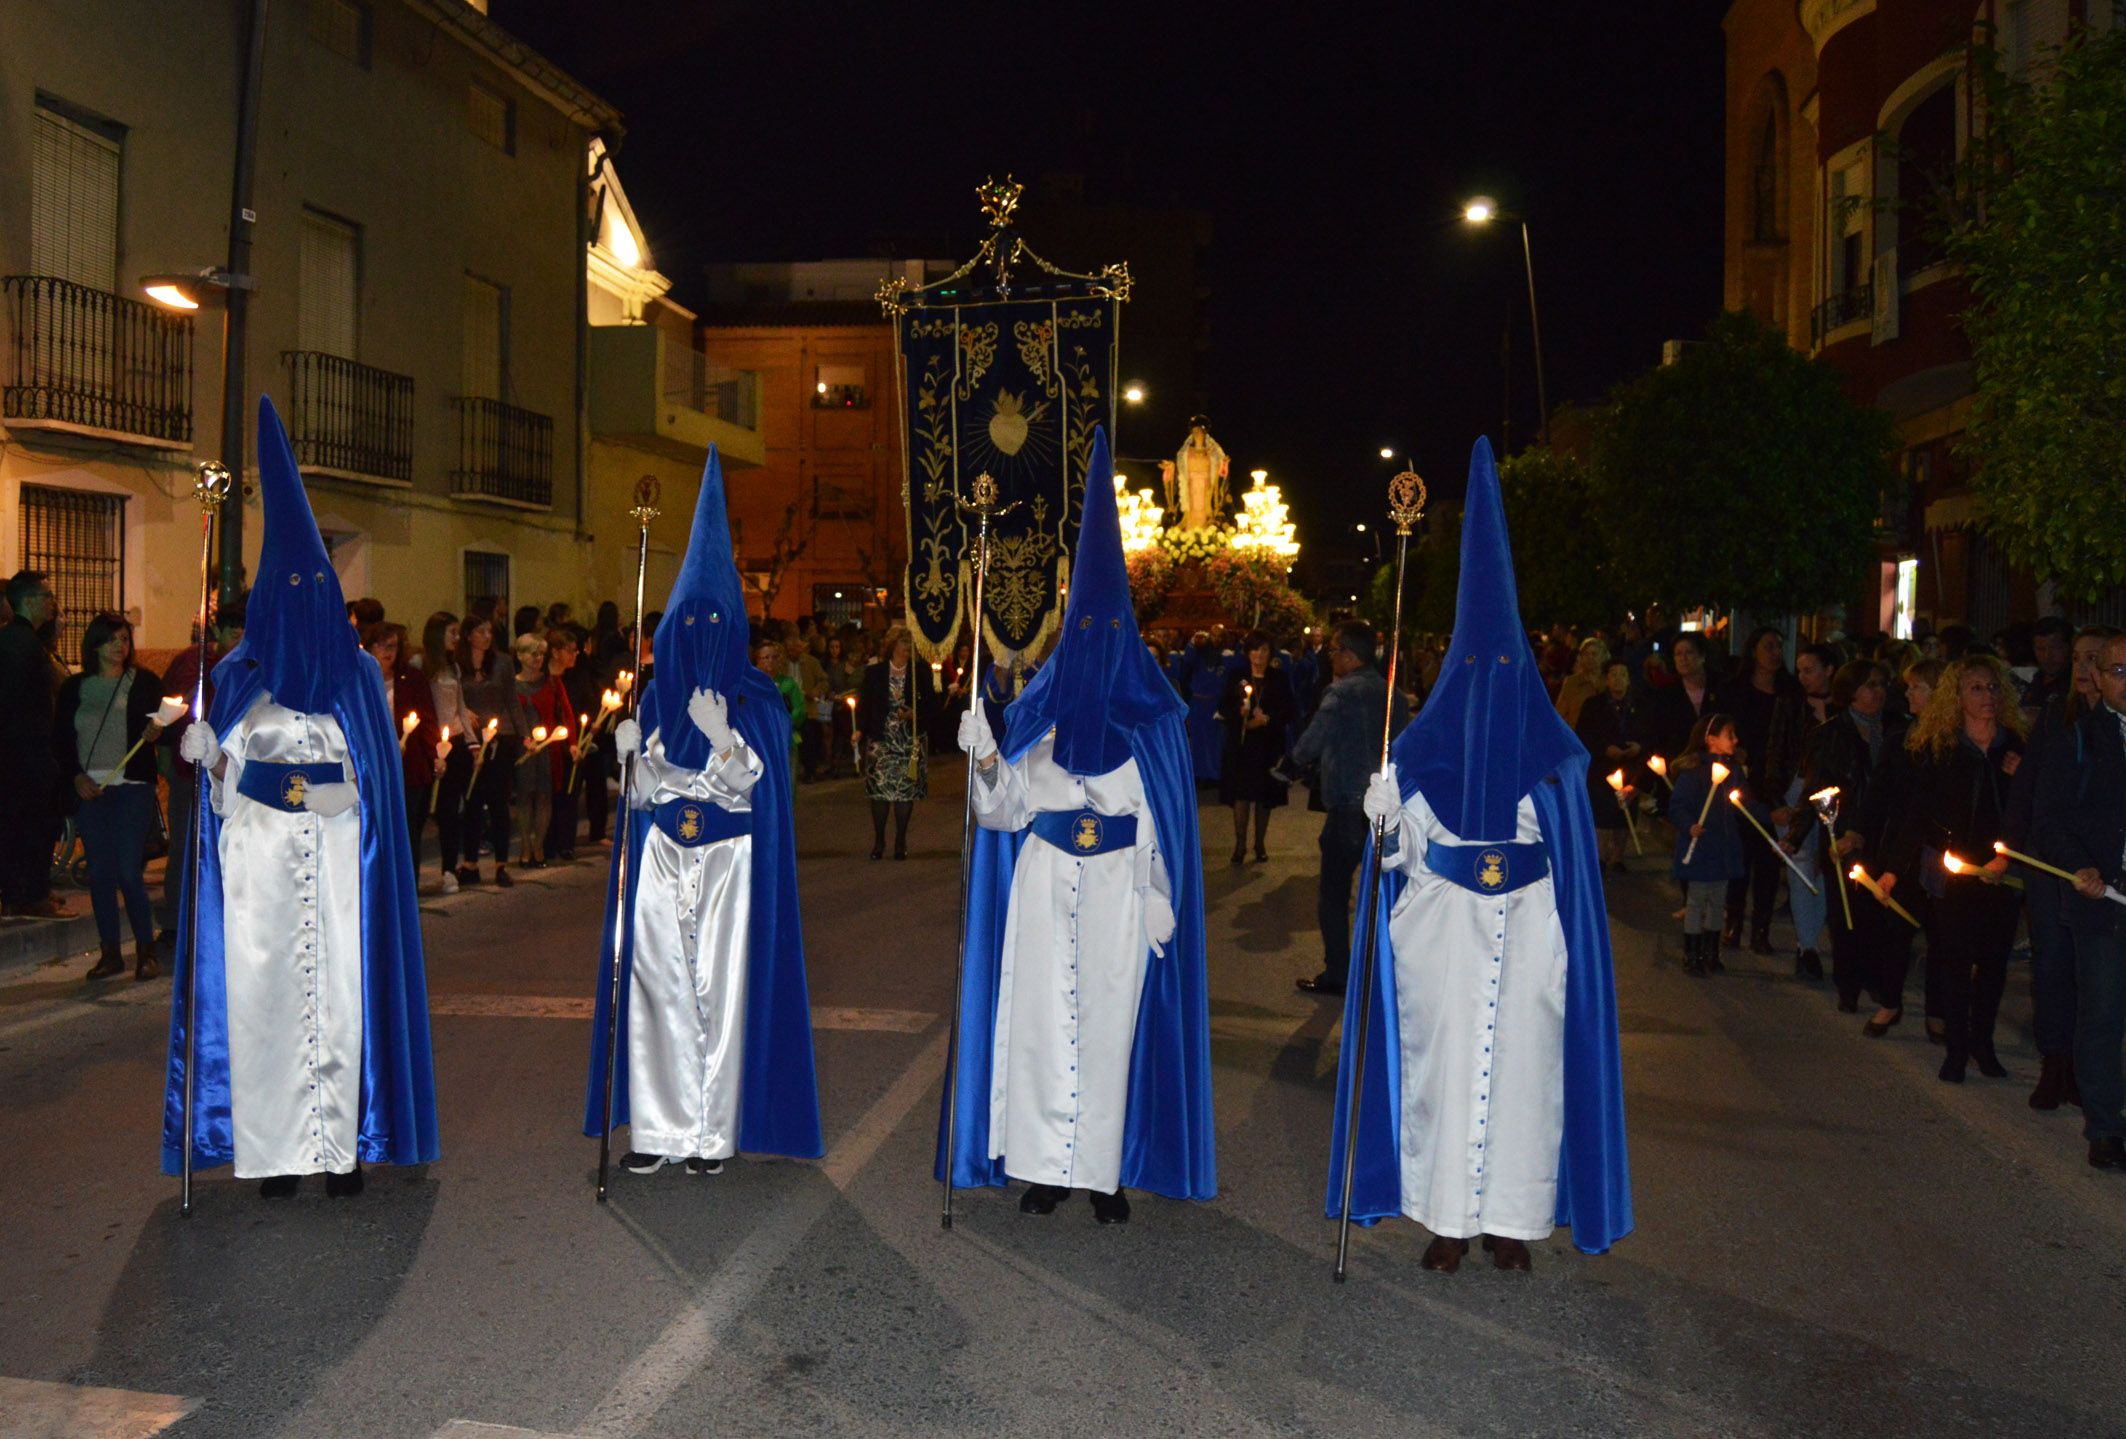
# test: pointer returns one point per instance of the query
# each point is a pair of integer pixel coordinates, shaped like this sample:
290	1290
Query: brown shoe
113	962
1444	1255
1507	1253
145	965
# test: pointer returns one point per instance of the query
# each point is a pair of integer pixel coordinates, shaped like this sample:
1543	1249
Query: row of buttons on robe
1491	1005
1077	874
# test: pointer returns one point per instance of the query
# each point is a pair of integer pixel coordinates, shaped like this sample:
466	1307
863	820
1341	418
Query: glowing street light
1134	394
1387	452
1482	210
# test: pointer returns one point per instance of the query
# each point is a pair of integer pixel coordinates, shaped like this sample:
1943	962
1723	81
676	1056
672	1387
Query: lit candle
1826	803
1659	766
1734	797
1860	877
435	789
1616	782
171	707
1720	772
407	726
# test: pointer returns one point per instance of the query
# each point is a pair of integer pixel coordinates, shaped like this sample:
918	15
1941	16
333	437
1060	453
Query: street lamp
1387	452
1482	210
1134	394
186	292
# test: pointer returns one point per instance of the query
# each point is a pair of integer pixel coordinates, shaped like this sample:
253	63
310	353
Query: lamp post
1482	211
232	284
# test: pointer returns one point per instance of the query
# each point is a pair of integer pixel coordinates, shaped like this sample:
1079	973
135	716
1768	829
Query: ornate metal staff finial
214	483
647	489
1406	501
999	198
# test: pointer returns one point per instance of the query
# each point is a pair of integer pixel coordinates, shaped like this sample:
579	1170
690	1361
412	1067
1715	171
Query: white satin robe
291	889
1072	975
1480	1009
686	1019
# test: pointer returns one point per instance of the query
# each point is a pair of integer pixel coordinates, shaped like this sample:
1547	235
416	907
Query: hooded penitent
299	650
1104	696
1487	737
701	644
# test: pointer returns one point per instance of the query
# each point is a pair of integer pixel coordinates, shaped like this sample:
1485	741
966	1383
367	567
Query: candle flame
1720	772
1955	865
538	733
1658	765
1734	797
492	726
1860	876
410	723
1616	781
561	733
2000	847
1824	794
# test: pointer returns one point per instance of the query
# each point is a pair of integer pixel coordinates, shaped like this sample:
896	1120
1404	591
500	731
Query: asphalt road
1830	1241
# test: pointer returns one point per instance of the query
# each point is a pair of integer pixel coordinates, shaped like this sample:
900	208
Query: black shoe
1731	937
2107	1153
344	1186
878	851
1111	1208
2051	1082
900	851
280	1186
468	874
1240	855
112	963
1042	1198
502	879
1986	1062
1809	965
1262	856
1952	1069
1761	941
1713	964
698	1165
1321	985
1694	955
1849	1004
1877	1028
635	1163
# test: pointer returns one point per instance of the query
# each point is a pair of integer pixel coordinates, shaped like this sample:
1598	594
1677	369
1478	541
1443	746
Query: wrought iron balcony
349	419
1845	308
90	361
504	454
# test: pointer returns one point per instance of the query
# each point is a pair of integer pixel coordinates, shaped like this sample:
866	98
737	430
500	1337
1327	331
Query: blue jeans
2099	1028
114	832
1810	910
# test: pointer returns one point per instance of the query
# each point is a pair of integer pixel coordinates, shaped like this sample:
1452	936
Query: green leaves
2047	435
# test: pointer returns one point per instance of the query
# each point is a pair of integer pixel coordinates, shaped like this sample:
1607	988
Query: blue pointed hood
701	641
295	626
1101	682
1488	733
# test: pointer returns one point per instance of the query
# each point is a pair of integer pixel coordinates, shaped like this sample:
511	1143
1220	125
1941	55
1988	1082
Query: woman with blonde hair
1962	751
894	707
1585	681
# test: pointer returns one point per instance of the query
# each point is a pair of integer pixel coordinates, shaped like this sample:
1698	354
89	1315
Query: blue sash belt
282	786
1085	832
691	822
1489	868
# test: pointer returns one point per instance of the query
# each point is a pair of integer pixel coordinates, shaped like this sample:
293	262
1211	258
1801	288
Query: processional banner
1005	379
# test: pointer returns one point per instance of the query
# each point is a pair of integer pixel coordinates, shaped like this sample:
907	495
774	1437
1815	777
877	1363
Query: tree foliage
1563	565
1740	475
2043	246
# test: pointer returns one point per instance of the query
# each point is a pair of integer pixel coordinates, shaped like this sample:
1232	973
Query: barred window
77	538
487	578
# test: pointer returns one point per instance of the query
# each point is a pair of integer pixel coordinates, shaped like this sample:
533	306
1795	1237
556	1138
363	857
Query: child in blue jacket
1714	847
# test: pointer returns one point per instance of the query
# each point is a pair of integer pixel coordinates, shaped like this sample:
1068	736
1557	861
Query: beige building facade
426	188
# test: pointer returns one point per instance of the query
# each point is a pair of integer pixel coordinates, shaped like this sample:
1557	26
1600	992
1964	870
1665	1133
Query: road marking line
691	1339
38	1409
567	1006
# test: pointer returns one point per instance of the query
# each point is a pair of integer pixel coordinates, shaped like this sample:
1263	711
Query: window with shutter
486	339
342	26
74	198
492	117
328	283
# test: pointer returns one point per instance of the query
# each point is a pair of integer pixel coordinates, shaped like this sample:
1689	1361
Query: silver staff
1406	506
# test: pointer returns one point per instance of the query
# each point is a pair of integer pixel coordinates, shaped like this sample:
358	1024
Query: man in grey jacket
1344	744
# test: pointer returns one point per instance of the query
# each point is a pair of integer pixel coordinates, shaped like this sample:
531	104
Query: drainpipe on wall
586	232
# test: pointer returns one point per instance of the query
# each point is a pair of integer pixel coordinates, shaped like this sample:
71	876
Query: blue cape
1169	1142
1482	742
700	642
299	648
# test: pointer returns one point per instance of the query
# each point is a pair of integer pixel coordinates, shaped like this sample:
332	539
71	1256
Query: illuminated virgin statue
1195	477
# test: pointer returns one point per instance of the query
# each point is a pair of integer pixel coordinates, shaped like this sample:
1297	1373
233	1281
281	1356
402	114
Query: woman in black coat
103	712
1855	752
1616	728
1963	750
1256	710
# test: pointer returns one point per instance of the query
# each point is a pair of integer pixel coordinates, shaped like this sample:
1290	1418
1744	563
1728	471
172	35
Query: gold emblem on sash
293	788
1491	869
689	824
1086	835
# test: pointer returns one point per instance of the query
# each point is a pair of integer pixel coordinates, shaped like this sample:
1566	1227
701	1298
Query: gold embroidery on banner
978	351
1035	337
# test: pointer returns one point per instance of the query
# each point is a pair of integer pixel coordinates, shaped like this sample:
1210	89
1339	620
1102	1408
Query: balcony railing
504	454
689	379
88	360
349	419
1846	308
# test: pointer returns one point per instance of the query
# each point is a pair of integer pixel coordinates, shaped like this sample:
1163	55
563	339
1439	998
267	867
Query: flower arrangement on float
1195	546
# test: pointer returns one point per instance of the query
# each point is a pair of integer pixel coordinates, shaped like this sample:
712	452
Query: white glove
627	740
1158	921
1384	796
329	799
711	714
975	737
198	744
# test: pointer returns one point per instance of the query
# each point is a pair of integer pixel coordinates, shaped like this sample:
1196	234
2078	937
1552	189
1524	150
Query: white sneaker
450	882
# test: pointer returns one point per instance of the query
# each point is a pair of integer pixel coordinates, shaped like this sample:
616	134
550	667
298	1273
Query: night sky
1332	145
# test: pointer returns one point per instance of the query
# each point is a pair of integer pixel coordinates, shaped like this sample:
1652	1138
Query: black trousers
1343	849
29	826
487	812
590	787
1874	953
450	805
1969	932
561	825
2099	1027
1760	886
